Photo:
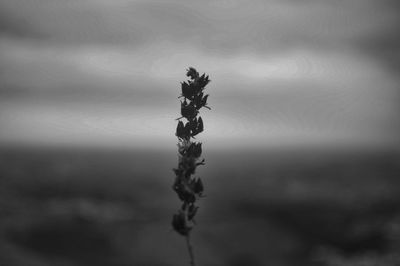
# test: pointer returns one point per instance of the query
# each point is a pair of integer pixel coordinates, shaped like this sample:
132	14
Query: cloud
215	26
53	69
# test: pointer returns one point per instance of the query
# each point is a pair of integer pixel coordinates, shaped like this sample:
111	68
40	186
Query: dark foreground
97	207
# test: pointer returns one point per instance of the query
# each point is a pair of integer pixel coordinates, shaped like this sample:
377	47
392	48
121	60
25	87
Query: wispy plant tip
188	187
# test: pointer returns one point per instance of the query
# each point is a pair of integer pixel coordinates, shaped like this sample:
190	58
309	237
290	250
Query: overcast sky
284	72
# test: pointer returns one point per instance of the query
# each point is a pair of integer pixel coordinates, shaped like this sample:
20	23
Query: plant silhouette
188	187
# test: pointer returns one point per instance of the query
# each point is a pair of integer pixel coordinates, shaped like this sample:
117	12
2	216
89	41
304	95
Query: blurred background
302	144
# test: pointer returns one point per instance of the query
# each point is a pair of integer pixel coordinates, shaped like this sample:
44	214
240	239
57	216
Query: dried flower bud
192	73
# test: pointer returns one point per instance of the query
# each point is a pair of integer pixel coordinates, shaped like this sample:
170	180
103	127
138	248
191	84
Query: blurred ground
113	207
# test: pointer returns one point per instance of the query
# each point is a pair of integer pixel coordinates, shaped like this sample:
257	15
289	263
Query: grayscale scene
111	152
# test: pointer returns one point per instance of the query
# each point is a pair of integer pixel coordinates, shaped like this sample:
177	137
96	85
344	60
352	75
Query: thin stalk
190	249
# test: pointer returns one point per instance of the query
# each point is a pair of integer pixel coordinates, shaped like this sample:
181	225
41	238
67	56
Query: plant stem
190	249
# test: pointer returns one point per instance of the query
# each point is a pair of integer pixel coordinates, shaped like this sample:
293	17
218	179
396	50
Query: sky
285	73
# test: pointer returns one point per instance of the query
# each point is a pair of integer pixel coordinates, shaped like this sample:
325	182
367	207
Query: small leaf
179	224
200	126
180	130
195	150
188	110
198	100
203	81
198	187
204	100
187	91
192	211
